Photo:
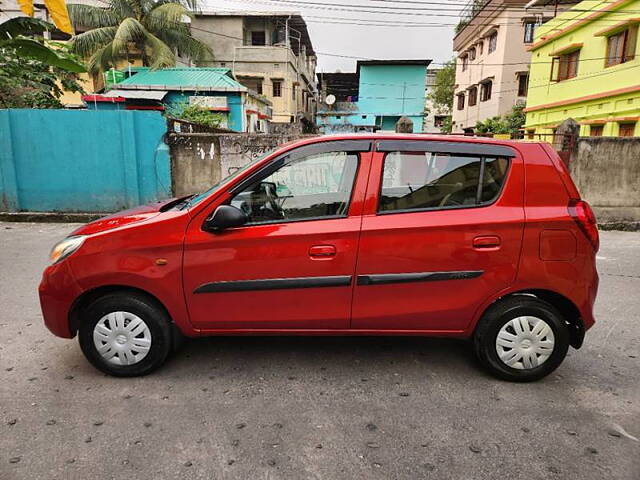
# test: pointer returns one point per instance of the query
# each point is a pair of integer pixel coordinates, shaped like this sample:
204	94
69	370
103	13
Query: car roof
421	136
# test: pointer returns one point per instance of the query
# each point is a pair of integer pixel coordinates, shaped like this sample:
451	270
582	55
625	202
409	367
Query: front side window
461	101
465	62
427	181
314	187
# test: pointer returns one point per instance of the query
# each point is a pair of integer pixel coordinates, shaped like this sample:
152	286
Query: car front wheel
521	339
125	334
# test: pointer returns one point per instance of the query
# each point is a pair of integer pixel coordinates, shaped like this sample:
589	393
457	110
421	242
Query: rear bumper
586	310
58	290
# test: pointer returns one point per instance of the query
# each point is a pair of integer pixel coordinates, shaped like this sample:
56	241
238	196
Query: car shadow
327	354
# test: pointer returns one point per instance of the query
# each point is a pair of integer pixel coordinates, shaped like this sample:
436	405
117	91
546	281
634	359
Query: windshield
201	196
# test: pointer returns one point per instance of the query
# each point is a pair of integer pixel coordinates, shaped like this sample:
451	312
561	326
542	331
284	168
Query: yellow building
585	65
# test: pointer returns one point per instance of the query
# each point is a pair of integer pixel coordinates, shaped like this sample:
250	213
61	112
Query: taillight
581	212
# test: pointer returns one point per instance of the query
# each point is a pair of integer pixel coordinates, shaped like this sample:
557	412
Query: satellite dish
330	99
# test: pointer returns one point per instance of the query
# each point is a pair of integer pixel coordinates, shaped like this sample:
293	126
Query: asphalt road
319	408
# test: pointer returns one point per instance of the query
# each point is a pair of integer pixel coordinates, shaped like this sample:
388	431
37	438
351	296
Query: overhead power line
396	10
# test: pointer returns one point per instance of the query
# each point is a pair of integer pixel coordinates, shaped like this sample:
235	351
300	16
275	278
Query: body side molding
387	278
275	284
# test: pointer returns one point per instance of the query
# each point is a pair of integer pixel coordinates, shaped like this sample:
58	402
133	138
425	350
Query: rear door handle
486	242
322	251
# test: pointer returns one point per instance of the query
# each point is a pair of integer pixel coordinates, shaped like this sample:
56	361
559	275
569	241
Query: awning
566	49
617	28
137	94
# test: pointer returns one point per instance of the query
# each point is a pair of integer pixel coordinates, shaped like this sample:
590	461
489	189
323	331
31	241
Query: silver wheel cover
525	342
122	338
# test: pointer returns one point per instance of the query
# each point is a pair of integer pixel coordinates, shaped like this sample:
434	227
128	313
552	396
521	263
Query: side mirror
225	216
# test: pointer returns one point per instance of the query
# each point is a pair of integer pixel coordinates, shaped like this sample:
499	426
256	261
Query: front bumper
58	290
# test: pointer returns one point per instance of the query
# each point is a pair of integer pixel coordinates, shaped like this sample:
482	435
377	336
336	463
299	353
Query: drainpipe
233	63
286	31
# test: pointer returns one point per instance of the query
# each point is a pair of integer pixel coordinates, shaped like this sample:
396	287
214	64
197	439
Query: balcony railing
469	12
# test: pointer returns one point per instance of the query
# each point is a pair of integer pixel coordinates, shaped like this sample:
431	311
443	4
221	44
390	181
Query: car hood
126	217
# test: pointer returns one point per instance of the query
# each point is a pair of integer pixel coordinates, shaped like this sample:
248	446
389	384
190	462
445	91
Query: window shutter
555	64
630	45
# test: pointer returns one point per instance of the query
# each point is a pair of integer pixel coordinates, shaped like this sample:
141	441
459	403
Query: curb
50	217
620	226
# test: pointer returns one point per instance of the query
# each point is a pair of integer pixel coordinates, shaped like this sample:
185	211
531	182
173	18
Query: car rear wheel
521	339
125	334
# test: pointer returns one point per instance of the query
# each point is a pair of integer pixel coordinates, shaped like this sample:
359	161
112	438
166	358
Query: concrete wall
81	161
607	173
199	160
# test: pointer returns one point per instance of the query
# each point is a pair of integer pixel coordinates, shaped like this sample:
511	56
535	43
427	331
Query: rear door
441	233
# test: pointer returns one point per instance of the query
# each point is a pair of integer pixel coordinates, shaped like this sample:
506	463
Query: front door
441	233
292	265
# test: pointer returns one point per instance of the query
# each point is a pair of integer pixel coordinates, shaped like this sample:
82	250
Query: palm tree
152	29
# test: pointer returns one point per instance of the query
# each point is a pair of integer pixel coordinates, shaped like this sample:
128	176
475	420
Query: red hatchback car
351	235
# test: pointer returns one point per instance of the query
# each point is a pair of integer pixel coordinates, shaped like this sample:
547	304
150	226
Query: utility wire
411	11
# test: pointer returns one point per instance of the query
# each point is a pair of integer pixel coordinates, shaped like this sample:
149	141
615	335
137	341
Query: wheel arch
569	311
88	297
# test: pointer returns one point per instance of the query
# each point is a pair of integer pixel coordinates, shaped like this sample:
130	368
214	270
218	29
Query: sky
386	35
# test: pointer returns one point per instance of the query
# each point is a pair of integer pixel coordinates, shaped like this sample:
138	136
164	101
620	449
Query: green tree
33	72
195	114
21	37
149	29
441	96
28	83
511	123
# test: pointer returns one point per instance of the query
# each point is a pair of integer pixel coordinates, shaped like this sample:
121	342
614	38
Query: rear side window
432	181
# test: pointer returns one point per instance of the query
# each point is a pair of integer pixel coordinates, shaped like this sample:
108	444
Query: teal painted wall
392	90
82	160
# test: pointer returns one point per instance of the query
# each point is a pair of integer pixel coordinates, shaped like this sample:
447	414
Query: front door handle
486	242
322	251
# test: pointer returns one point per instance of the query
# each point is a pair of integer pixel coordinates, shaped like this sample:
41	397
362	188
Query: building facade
434	118
386	91
492	65
268	52
240	109
586	67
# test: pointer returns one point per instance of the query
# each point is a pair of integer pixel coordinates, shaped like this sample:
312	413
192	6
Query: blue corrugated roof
183	79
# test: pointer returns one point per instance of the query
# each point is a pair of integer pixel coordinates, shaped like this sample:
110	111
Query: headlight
65	248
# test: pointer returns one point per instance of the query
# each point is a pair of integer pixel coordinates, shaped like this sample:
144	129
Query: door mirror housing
225	216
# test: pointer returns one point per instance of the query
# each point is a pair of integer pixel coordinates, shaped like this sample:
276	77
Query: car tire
125	334
521	339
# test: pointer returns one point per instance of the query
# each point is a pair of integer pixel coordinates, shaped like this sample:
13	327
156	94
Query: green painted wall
593	77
